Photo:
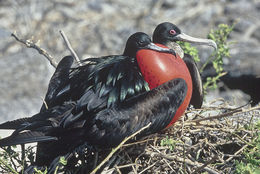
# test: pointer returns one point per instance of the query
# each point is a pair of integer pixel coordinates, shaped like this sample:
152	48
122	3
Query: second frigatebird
160	68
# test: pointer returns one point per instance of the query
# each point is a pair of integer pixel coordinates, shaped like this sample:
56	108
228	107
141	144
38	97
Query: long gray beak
187	38
154	47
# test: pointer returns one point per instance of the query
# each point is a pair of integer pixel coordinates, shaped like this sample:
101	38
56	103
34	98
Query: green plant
14	161
168	142
243	168
10	160
251	161
188	49
220	36
37	171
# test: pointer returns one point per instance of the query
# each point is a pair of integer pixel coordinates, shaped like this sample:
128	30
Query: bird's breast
158	68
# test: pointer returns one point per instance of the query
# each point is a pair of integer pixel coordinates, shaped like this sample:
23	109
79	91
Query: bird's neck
129	52
176	47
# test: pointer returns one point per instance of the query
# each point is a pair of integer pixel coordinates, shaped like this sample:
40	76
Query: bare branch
44	102
205	164
239	110
67	43
180	159
31	44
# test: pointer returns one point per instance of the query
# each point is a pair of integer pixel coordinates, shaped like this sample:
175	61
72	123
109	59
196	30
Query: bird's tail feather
13	124
25	137
42	116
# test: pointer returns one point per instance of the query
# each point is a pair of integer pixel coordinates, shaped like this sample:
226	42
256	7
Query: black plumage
100	103
114	78
58	79
97	104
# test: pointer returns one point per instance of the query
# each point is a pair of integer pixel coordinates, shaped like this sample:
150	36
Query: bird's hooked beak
187	38
152	46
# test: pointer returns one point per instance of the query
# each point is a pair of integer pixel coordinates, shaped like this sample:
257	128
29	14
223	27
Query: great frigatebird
167	34
99	103
114	102
164	67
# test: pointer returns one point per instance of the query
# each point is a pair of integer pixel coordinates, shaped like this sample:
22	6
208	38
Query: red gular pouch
158	68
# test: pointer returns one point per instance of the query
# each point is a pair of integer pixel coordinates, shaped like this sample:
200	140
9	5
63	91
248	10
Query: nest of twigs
208	140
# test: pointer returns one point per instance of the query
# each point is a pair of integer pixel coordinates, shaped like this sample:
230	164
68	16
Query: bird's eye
172	32
141	42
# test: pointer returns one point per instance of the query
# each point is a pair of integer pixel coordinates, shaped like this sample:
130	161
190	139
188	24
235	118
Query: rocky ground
99	27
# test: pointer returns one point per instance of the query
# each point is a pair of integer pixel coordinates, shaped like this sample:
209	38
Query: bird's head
167	32
139	41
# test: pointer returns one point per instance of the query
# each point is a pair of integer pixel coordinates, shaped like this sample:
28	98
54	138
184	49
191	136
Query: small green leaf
63	161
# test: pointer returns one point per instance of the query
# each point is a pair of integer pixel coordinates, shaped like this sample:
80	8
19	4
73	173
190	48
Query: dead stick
205	164
180	159
226	114
189	162
70	47
31	44
239	151
217	116
119	146
236	153
44	102
148	167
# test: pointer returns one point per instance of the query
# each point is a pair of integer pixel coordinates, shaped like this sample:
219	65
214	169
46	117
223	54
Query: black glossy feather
23	123
14	124
106	127
58	80
114	77
157	106
25	137
100	104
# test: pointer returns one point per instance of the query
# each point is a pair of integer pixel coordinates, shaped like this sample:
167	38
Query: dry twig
205	164
180	159
31	44
70	47
236	111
